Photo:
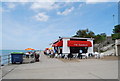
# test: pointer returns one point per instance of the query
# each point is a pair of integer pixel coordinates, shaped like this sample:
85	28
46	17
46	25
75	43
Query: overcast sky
36	25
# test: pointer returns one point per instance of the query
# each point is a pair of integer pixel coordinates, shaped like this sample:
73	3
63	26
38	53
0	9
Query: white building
68	45
117	47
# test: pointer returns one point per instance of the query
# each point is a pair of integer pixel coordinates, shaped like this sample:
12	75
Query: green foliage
116	36
84	33
100	38
88	34
116	29
116	32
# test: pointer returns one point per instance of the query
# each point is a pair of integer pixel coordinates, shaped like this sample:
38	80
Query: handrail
0	59
6	55
5	59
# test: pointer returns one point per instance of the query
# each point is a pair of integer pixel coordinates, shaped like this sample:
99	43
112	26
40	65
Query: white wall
117	47
90	49
66	49
116	50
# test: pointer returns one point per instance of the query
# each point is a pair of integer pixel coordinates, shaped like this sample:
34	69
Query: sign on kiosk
79	44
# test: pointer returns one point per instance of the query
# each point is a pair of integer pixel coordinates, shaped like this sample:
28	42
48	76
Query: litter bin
17	57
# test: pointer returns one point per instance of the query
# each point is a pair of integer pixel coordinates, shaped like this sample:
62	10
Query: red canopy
46	48
58	44
79	43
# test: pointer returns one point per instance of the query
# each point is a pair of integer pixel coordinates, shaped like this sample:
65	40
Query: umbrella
29	49
47	49
50	48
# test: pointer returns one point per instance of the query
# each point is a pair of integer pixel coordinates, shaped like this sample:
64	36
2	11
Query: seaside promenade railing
0	59
5	59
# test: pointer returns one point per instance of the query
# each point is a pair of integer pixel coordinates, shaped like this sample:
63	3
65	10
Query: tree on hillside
84	33
116	32
116	29
100	38
88	34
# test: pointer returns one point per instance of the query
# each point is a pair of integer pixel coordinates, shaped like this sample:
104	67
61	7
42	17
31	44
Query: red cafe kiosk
66	45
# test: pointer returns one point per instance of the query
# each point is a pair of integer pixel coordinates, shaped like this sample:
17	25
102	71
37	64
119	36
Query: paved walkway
52	68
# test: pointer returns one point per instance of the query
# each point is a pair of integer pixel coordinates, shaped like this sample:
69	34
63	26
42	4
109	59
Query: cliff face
108	47
107	44
109	52
111	48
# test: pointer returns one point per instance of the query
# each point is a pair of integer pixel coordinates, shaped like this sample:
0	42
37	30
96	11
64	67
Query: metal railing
0	59
5	59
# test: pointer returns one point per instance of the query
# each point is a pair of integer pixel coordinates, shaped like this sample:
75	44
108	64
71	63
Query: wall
90	49
117	47
66	49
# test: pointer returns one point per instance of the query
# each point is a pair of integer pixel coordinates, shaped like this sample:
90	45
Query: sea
4	55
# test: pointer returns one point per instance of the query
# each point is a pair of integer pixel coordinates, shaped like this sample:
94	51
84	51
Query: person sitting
27	55
45	52
51	55
37	57
70	56
90	55
32	55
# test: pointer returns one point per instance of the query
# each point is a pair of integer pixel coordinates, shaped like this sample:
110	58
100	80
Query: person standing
48	52
80	54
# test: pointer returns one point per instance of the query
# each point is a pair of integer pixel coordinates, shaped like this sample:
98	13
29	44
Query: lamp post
113	19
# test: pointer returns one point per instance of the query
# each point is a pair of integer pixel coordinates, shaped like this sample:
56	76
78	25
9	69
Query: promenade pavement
52	68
